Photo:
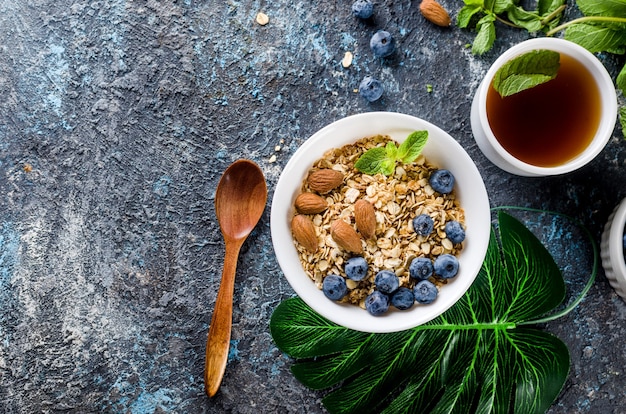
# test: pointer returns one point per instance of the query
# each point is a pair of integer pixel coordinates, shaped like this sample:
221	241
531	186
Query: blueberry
356	268
446	266
334	287
377	303
386	281
363	9
454	231
371	89
403	298
423	224
421	268
382	44
442	181
425	292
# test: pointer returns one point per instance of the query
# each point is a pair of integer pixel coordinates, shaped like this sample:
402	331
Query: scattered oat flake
347	60
272	159
262	19
28	168
277	148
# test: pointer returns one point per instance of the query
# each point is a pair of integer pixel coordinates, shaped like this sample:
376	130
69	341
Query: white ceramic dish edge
611	249
469	186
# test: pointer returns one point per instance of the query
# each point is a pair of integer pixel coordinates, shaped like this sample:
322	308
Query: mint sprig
526	71
483	15
383	159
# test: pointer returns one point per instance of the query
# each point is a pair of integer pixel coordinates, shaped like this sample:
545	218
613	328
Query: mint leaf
412	147
596	38
392	150
545	7
371	161
383	159
500	6
388	166
526	71
486	35
528	20
611	8
465	15
476	357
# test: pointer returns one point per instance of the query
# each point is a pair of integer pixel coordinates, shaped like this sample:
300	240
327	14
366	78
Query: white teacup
496	153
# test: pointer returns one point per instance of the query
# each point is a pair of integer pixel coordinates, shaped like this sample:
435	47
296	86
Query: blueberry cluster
388	291
422	270
382	45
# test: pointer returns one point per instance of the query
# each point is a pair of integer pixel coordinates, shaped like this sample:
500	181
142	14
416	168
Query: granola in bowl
396	199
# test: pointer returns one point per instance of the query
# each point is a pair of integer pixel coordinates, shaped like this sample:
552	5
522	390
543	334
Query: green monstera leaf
484	355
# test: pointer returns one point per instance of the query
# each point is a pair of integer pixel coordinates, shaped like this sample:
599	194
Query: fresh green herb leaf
489	337
531	21
501	6
526	71
545	7
545	16
412	147
383	160
486	35
371	161
465	15
595	37
388	166
610	8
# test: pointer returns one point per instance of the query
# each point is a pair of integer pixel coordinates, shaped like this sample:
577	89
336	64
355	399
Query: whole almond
325	180
435	13
365	217
310	203
345	236
303	231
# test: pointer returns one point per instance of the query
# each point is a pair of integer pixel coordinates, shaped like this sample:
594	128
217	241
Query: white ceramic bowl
612	250
496	153
441	150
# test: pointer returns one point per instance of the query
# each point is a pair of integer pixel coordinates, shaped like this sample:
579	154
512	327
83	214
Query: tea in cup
554	127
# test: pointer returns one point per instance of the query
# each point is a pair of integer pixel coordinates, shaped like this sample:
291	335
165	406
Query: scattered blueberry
446	266
363	9
377	303
455	231
425	292
403	298
371	88
382	44
421	268
386	281
442	181
356	268
334	287
423	224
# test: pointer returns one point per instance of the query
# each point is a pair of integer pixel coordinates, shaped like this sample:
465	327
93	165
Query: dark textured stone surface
128	111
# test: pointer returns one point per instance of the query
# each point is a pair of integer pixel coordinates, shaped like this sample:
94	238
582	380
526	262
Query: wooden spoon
239	203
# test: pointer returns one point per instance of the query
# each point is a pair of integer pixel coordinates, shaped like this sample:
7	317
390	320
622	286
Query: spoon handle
218	339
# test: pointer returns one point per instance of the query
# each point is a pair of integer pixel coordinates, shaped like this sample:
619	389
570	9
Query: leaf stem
594	270
586	19
506	22
552	15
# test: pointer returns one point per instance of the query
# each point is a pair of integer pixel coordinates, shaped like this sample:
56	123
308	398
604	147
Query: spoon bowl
240	199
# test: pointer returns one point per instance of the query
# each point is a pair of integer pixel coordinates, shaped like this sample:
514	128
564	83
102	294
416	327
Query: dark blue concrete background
117	119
